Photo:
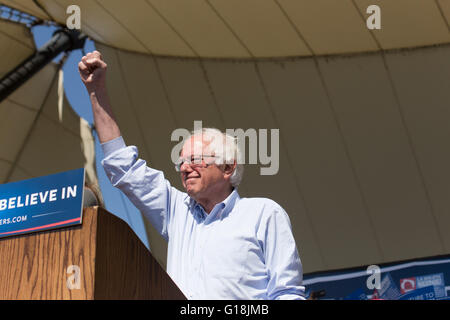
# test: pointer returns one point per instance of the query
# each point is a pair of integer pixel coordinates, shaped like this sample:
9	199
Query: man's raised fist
92	70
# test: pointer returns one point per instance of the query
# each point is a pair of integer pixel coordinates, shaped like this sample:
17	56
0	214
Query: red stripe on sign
43	227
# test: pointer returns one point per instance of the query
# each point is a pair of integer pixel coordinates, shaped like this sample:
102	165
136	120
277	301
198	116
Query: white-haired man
220	246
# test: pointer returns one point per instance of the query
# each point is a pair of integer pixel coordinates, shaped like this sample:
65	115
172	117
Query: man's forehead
195	145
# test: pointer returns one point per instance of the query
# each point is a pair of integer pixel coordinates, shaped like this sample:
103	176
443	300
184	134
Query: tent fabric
29	7
16	44
253	28
33	141
364	150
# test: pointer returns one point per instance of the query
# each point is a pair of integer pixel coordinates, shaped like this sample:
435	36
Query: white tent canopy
16	44
252	28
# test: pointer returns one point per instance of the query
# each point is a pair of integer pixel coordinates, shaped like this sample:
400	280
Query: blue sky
77	96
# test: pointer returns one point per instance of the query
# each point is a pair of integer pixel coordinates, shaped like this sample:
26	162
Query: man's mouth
190	178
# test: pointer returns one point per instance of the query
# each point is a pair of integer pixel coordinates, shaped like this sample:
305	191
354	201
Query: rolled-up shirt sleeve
146	188
282	259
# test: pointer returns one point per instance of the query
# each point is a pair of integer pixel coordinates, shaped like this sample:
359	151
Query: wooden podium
101	259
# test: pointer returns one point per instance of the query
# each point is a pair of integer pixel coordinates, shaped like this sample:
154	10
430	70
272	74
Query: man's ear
228	169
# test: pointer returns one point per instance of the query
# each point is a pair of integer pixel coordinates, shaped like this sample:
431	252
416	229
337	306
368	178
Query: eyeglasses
194	162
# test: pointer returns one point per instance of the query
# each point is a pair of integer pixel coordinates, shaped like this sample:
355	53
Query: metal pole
62	40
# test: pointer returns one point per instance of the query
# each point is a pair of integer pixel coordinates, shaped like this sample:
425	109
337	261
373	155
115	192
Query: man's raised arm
145	187
92	70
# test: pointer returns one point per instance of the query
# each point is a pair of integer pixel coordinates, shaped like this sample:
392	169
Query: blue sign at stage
424	293
388	290
423	278
40	204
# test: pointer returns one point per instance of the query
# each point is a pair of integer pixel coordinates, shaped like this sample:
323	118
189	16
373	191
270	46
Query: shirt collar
230	201
225	206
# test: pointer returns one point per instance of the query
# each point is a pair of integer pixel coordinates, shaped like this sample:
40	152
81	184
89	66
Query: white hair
226	148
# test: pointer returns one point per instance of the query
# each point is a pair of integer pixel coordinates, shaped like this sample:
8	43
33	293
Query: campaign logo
430	280
407	284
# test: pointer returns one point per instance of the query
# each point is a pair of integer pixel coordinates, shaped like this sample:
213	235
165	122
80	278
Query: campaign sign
42	203
404	277
388	290
435	280
424	293
358	294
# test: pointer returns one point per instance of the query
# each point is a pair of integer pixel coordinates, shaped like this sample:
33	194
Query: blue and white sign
388	290
435	280
423	278
42	203
424	293
358	294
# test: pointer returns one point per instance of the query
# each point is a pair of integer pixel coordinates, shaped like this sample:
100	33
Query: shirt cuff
112	146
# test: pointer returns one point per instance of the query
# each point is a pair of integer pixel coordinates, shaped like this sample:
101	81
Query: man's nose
185	167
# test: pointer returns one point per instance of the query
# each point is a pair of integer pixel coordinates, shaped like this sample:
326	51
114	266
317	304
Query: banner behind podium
42	203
